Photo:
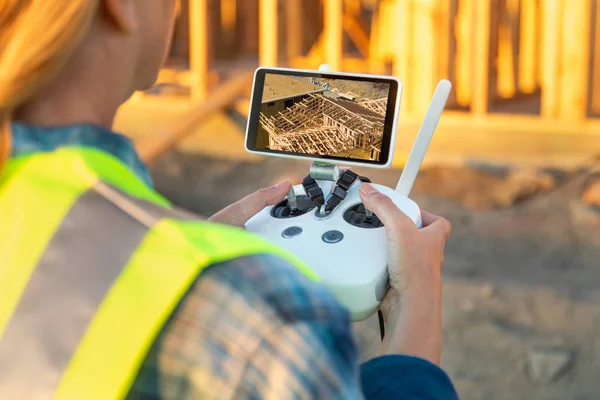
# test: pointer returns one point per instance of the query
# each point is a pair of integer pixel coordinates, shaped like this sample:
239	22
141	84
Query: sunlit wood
481	73
507	49
198	48
353	7
268	33
228	14
526	69
401	51
442	18
553	27
596	72
357	34
151	147
333	33
425	51
464	52
528	55
575	60
293	9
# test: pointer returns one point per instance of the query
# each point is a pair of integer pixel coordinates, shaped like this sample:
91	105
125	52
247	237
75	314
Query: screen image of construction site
317	116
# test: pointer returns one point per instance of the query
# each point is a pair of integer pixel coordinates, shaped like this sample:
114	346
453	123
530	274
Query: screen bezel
390	125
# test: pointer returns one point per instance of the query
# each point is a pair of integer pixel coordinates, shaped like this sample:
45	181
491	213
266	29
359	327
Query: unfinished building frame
327	126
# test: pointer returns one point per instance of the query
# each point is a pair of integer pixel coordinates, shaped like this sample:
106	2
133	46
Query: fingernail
367	190
287	182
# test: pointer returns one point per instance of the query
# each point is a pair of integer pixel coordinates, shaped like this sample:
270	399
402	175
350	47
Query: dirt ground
521	282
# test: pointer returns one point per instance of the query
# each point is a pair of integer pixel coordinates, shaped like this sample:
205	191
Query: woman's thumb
385	209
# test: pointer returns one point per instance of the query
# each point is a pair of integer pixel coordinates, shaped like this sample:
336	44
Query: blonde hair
37	38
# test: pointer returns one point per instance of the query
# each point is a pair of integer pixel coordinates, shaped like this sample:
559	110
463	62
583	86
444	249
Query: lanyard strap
313	191
343	184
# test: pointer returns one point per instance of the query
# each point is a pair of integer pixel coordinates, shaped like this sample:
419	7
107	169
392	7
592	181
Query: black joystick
292	201
362	217
368	215
293	206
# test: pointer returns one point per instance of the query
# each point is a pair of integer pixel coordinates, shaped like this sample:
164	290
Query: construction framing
327	126
378	106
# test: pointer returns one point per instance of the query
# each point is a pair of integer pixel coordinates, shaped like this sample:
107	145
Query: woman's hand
240	212
412	306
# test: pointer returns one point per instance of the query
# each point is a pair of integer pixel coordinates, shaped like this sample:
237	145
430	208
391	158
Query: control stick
368	215
292	201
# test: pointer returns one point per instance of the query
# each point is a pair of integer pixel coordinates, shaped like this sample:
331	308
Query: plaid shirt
253	327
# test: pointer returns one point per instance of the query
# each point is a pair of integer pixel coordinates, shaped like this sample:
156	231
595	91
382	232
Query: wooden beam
424	55
356	33
198	48
228	14
596	65
294	31
551	46
401	26
376	54
575	60
333	32
268	33
464	52
443	21
508	48
529	42
481	56
152	147
449	69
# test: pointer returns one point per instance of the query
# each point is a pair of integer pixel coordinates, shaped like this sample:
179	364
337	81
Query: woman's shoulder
247	317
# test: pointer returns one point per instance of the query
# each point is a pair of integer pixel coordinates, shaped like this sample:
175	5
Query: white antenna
417	154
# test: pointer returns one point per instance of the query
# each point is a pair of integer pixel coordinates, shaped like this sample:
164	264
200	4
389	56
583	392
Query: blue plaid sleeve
253	328
405	377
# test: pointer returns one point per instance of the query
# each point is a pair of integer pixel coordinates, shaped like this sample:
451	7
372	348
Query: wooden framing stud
481	56
268	33
333	33
198	48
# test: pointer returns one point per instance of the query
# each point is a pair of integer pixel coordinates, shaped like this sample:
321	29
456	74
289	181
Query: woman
108	292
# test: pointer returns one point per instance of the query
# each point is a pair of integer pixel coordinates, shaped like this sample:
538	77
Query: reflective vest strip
110	276
35	195
160	272
49	228
83	259
31	209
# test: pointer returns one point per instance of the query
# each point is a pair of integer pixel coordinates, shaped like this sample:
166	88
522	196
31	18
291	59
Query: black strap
341	190
345	181
313	191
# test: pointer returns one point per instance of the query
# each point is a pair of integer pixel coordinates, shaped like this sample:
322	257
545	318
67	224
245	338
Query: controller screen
324	116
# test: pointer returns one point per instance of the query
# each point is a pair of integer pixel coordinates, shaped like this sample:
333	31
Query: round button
333	237
291	232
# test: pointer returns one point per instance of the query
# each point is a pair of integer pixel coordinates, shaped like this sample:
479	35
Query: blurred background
514	164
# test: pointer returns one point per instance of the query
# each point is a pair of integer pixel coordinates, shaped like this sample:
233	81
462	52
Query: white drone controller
343	243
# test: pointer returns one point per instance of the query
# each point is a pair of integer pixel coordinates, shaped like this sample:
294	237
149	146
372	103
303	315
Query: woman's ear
122	14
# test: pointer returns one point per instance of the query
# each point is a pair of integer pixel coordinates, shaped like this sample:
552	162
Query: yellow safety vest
92	264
